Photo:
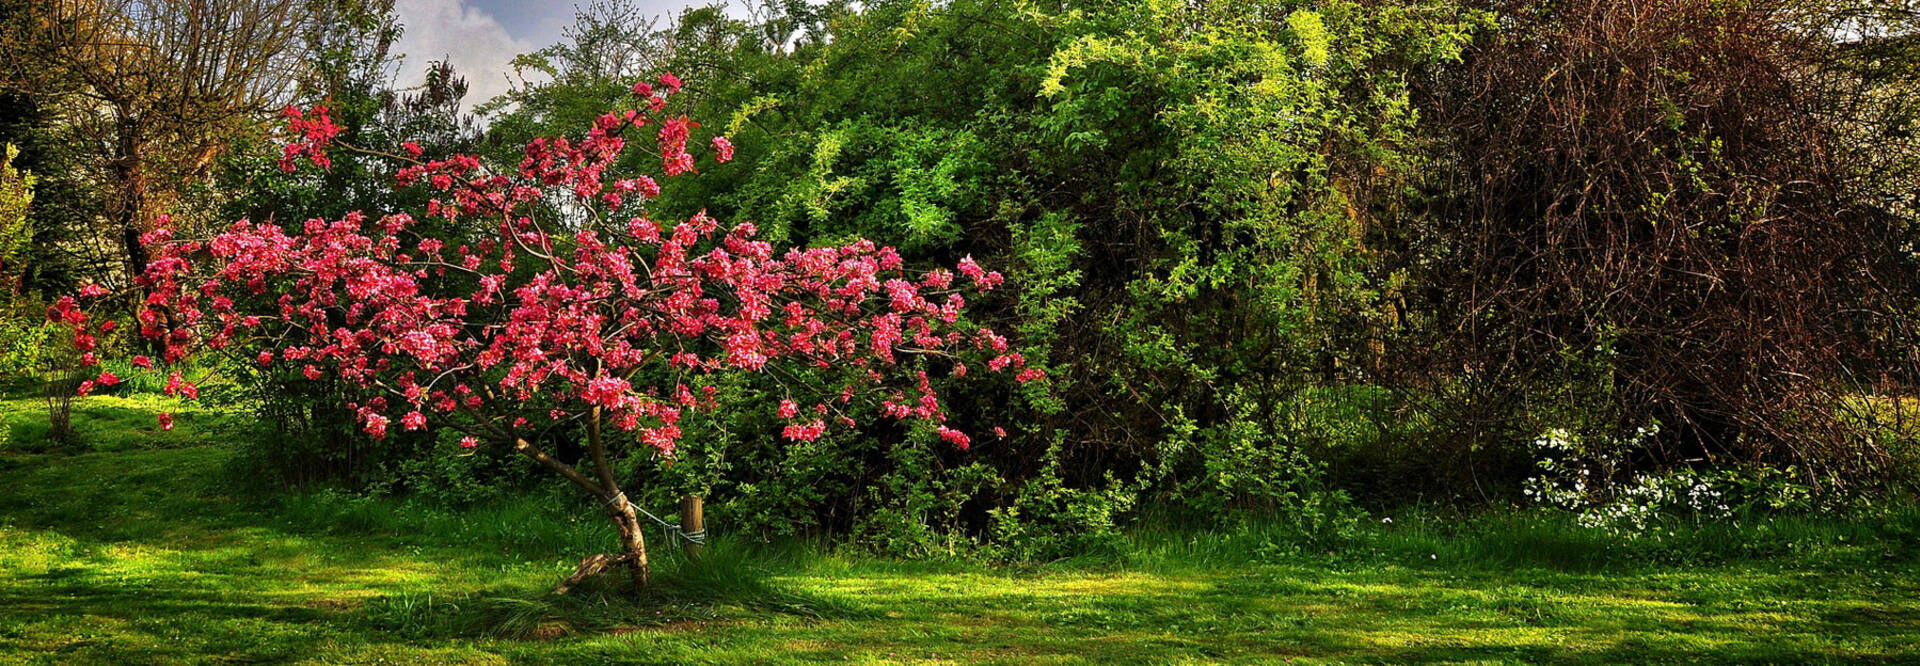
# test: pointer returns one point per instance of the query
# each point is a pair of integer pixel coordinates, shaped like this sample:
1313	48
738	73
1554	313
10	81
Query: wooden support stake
692	519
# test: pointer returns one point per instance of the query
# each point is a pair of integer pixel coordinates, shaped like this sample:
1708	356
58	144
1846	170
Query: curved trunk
633	544
631	539
626	520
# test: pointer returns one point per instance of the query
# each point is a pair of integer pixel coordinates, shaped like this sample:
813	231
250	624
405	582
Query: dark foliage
1644	217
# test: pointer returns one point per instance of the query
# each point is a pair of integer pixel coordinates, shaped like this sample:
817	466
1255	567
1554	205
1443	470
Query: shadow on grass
729	580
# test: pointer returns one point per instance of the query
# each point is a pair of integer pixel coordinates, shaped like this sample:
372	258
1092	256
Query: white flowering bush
1584	478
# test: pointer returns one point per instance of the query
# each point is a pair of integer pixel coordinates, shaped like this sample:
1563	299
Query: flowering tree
544	297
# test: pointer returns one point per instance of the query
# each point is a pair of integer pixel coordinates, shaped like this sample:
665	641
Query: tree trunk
633	544
632	540
129	201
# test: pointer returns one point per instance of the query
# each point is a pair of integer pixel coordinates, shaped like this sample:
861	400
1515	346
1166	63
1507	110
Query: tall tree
155	86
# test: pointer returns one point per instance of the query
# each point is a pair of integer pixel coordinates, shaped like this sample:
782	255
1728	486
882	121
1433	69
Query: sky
482	36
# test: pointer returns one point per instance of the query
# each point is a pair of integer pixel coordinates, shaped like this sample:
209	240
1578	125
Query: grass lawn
134	555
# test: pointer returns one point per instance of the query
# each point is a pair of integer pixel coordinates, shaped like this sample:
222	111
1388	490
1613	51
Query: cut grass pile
136	554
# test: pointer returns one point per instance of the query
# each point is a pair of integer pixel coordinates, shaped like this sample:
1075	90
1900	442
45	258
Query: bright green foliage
1234	158
1250	145
52	258
21	330
16	193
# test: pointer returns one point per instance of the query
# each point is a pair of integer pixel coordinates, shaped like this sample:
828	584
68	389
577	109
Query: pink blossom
804	432
177	385
481	308
374	424
605	391
955	437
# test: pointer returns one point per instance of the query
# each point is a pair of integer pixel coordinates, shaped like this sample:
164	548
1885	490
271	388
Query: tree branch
527	449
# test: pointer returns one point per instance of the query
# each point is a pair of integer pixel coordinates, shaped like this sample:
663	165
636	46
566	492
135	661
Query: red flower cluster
674	159
503	316
313	132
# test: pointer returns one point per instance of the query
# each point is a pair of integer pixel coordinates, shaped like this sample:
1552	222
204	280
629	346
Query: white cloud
477	44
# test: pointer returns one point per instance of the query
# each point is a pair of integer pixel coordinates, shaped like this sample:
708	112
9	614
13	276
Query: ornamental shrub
542	303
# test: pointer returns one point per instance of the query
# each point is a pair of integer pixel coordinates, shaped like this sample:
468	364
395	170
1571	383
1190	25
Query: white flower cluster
1581	479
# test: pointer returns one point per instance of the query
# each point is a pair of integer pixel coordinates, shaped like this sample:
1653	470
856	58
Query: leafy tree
1243	158
21	331
156	90
64	199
